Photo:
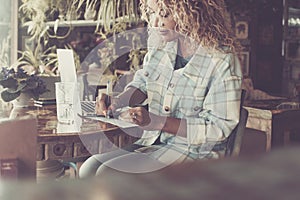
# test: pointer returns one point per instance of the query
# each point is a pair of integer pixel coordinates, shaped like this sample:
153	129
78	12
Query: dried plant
34	14
112	11
90	9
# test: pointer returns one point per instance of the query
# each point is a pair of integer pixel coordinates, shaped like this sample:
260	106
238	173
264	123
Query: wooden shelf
84	23
75	23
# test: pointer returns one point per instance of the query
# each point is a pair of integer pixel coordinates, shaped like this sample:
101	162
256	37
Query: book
43	102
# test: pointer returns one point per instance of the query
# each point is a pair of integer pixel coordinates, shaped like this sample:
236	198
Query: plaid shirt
206	92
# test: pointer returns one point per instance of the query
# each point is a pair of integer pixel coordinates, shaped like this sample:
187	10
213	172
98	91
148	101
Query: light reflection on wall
294	16
5	32
294	22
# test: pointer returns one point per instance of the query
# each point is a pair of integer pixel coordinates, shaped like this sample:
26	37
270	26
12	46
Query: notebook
66	66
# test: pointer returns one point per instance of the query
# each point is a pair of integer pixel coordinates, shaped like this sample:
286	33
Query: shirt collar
195	67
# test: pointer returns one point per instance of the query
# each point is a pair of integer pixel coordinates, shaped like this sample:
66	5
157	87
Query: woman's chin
167	38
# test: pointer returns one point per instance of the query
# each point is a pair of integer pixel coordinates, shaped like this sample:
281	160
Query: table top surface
62	141
48	125
274	105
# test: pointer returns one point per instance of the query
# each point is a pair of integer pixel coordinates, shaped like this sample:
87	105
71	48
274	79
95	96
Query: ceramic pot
50	82
22	101
20	106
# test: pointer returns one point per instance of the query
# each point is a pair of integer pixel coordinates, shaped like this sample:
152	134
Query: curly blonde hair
205	21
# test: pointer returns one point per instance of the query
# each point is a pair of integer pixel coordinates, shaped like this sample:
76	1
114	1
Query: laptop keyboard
88	106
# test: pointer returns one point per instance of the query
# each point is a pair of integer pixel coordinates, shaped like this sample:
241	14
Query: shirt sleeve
221	107
139	79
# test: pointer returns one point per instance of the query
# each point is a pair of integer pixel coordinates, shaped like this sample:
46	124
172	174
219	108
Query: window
8	32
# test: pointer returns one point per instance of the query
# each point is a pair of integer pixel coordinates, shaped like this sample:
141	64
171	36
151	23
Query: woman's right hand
105	104
130	97
101	107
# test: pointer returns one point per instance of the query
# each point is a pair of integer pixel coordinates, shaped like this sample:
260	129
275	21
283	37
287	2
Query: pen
108	88
108	114
90	115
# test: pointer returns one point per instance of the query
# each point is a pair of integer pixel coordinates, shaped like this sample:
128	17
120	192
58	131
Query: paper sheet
67	69
116	122
66	65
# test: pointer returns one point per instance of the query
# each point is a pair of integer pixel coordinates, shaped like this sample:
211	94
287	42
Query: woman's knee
89	167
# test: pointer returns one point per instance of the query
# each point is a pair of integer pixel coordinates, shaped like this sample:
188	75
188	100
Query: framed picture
293	50
244	61
241	29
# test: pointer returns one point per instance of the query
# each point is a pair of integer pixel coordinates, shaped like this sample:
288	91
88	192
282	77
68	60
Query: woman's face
163	21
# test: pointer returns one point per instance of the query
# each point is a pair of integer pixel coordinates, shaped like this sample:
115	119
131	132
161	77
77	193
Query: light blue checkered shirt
206	92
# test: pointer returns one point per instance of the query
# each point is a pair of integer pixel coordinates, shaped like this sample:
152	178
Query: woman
191	79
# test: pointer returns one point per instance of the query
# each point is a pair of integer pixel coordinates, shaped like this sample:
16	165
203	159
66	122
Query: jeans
90	167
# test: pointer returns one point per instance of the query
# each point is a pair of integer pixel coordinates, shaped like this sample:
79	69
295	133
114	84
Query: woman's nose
158	23
155	22
161	23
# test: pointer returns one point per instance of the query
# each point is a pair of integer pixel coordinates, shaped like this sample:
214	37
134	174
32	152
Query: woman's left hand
146	120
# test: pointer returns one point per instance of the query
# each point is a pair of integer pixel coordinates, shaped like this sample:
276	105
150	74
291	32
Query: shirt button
171	85
196	108
167	108
146	74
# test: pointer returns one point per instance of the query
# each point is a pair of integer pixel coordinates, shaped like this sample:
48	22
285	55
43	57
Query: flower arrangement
17	82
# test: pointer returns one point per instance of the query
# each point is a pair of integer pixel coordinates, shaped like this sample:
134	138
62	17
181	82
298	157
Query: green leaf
7	96
21	86
30	85
35	96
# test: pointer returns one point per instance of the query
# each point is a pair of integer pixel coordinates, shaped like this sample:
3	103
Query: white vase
20	106
22	101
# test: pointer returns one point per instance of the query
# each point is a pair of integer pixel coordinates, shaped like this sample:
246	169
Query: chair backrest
18	147
235	138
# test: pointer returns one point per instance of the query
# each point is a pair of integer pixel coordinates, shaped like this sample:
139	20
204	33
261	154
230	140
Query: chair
18	148
235	138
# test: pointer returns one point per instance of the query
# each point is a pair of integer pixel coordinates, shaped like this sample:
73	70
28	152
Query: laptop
66	66
88	107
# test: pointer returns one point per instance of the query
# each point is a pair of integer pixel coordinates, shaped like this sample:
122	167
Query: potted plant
17	84
35	14
43	64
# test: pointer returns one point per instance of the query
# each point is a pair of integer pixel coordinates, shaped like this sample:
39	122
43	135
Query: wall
262	40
